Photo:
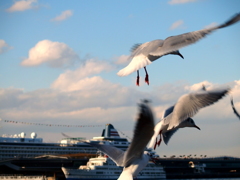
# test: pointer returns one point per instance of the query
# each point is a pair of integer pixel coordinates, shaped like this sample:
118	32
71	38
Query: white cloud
177	24
123	59
63	16
55	54
22	5
4	46
180	1
198	86
79	79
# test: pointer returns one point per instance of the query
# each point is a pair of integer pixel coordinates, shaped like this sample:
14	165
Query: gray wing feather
168	111
114	153
174	43
135	47
188	105
167	135
143	132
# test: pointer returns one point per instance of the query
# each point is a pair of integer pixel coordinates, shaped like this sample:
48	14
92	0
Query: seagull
135	158
179	115
166	135
144	54
234	109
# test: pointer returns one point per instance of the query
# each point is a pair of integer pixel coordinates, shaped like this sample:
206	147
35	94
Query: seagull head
177	53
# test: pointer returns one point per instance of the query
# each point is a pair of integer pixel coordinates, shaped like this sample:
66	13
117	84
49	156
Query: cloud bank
91	99
84	97
54	54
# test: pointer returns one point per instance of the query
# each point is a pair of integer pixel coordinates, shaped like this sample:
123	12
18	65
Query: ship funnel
110	132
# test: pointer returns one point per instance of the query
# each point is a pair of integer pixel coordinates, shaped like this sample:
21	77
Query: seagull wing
234	109
143	132
174	43
167	135
114	153
168	111
189	104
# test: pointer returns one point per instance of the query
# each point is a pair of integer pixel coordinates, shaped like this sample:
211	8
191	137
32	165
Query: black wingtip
233	20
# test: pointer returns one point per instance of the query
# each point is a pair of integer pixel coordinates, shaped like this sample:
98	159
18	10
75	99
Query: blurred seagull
179	115
144	54
134	159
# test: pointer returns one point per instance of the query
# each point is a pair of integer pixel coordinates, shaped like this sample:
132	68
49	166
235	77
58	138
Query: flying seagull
179	115
167	134
144	54
135	158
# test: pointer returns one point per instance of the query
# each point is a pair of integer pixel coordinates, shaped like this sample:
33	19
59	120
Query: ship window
99	172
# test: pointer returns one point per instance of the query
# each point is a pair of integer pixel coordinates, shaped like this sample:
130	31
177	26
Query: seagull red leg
160	140
146	78
155	144
137	82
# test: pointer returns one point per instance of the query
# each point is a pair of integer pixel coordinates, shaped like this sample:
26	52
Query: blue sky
58	64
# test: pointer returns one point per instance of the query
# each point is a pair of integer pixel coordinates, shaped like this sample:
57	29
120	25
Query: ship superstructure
19	146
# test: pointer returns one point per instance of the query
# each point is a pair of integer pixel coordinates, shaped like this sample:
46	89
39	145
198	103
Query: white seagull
135	158
144	54
179	115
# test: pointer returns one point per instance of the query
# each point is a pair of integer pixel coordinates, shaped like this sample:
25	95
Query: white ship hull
103	168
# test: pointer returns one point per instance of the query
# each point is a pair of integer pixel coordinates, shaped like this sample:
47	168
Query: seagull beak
178	53
197	127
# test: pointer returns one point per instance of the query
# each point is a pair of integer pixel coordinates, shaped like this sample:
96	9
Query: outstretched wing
174	43
189	104
143	132
114	153
168	111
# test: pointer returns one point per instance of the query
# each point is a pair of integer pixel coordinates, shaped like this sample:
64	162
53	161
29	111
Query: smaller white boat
103	168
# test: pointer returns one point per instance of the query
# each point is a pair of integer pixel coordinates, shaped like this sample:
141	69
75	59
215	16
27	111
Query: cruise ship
19	146
103	168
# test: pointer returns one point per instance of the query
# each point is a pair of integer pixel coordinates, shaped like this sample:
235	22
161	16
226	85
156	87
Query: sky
59	62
